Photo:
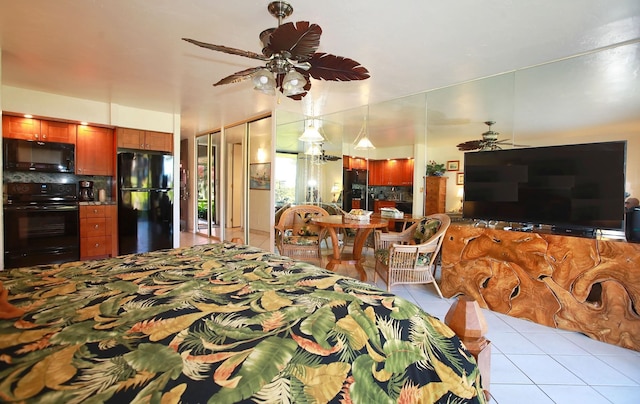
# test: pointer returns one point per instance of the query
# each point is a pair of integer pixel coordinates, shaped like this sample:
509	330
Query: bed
220	323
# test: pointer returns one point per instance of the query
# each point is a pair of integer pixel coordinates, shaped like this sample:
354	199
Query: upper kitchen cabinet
396	172
354	163
144	140
95	153
18	127
53	131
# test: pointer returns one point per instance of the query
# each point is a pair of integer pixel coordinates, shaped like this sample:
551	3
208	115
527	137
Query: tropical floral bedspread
220	323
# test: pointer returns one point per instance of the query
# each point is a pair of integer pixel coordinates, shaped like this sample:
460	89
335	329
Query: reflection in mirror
206	152
234	168
260	169
456	115
587	98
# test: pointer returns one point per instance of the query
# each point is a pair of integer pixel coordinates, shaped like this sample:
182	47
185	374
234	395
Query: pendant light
314	150
311	134
362	141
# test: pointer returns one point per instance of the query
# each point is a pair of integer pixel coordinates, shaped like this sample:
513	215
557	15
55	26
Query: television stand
574	231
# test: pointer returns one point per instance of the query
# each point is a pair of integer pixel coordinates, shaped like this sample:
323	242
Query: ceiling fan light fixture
293	83
264	80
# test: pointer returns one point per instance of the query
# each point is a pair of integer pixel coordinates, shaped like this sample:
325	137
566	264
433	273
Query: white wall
37	103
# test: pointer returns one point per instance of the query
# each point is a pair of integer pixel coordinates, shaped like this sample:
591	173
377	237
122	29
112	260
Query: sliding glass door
206	183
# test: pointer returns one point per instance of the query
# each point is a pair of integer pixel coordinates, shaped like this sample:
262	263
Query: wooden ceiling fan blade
325	66
297	41
238	76
226	49
470	145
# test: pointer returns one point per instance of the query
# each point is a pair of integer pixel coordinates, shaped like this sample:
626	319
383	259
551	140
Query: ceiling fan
289	53
316	153
489	141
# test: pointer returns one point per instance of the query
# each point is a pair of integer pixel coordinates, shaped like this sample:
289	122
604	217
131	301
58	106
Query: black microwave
31	155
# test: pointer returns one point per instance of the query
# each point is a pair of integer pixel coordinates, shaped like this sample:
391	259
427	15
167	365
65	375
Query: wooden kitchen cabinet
395	172
18	127
354	163
62	132
144	140
95	152
97	231
379	204
435	195
407	172
376	172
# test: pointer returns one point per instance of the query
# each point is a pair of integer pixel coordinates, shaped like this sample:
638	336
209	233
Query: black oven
31	155
41	224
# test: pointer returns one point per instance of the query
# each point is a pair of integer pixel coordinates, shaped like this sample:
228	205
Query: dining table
362	228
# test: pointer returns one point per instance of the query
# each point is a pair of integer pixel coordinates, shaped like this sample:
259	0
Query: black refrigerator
354	183
145	204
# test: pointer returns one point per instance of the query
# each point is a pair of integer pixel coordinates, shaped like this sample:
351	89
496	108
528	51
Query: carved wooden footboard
579	284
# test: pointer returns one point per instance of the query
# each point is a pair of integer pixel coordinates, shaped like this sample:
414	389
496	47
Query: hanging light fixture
293	83
362	141
264	81
311	134
314	150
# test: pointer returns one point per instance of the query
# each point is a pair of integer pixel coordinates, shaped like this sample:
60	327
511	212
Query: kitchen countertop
394	200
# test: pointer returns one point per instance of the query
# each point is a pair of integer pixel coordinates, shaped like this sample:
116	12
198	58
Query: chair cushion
382	255
426	228
300	240
302	225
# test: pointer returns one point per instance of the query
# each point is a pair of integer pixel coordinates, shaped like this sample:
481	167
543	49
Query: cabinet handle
97	226
95	211
97	245
36	135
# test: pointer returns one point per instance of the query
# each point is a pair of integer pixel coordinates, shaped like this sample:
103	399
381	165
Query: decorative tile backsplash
99	182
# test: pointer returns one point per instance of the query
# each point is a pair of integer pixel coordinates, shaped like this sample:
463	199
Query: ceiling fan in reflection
489	141
316	154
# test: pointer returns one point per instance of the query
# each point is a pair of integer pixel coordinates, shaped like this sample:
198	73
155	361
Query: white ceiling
129	52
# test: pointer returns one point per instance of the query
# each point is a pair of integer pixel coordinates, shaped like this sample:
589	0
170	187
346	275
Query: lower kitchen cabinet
97	231
379	204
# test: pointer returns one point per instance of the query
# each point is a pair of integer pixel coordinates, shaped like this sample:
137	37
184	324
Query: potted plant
435	169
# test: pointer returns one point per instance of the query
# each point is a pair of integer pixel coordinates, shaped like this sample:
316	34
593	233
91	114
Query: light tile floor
530	363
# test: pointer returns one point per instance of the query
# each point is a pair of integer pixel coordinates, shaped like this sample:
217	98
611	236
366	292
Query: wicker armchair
410	256
296	236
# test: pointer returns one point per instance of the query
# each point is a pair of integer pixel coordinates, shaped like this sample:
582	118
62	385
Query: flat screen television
578	186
